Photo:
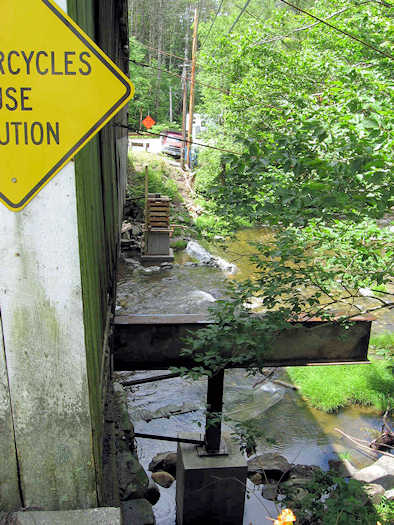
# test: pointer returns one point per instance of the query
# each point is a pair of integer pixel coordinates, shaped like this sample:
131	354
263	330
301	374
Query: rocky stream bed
299	434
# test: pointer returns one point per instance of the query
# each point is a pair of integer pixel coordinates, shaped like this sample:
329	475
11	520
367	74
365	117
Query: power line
141	64
239	16
248	12
161	52
302	28
350	35
213	23
176	138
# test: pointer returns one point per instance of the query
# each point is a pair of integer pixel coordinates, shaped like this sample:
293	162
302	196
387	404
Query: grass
330	388
159	171
178	245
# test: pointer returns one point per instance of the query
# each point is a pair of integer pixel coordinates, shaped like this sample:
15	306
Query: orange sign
148	122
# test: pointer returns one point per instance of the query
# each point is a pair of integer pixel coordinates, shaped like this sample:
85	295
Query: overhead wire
139	132
243	10
346	33
213	23
239	16
303	28
162	52
141	64
248	12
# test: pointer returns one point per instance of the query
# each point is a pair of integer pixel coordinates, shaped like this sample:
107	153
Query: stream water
301	434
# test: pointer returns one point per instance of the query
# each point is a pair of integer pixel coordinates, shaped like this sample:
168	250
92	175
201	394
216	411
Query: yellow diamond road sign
57	90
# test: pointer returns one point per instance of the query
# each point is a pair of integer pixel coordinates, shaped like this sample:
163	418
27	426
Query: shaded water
289	426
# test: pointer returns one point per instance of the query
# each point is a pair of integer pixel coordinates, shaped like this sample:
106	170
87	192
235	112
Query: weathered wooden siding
100	181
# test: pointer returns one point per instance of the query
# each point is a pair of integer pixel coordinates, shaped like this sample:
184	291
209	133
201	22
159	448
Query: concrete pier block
210	489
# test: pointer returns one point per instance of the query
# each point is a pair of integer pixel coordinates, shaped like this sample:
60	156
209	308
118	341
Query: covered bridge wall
57	285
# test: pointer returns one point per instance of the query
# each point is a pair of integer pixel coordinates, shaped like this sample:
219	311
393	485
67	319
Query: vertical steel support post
213	430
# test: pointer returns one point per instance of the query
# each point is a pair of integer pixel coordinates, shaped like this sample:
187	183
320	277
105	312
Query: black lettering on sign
55	133
10	67
69	62
5	141
85	71
24	98
26	133
28	60
16	129
14	104
13	99
37	137
38	64
1	63
53	65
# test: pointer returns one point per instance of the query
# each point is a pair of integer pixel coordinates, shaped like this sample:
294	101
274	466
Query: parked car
171	142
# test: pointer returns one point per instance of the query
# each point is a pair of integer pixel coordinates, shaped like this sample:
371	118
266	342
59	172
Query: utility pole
184	85
170	104
192	83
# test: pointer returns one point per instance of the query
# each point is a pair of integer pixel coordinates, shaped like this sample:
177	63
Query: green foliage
158	30
385	509
311	114
167	125
178	245
159	176
330	500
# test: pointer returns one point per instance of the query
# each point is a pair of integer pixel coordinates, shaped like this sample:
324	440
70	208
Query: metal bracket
203	452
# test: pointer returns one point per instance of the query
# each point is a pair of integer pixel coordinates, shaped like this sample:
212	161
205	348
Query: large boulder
152	493
270	466
195	250
133	480
165	461
270	491
389	494
381	472
164	479
302	474
374	492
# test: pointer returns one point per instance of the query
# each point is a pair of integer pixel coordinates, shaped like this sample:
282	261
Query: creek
302	434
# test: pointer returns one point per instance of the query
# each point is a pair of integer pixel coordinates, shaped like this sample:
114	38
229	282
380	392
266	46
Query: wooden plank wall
101	171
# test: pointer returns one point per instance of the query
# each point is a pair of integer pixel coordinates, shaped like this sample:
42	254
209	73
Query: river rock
293	490
338	467
150	270
271	466
199	296
270	491
133	480
164	461
164	479
256	478
132	262
381	472
389	494
301	474
195	250
375	492
152	493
